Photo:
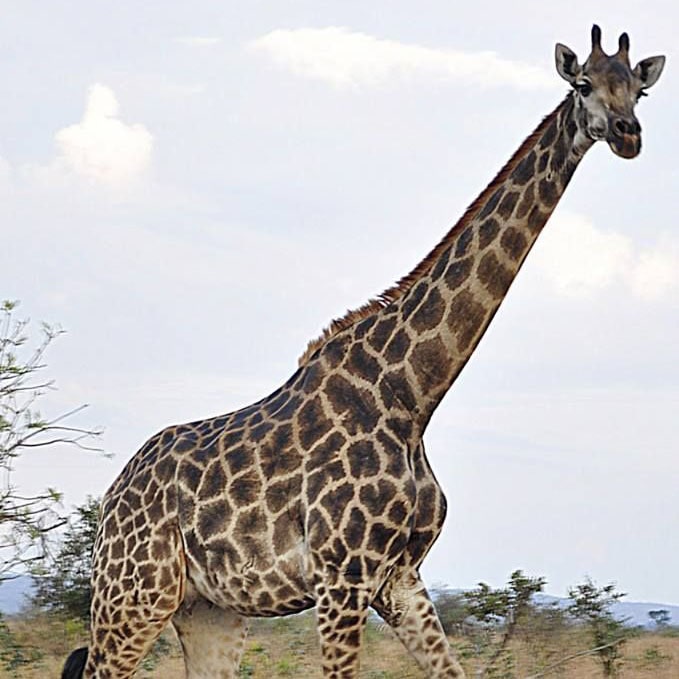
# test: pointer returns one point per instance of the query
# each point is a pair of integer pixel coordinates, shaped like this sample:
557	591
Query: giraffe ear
649	70
566	63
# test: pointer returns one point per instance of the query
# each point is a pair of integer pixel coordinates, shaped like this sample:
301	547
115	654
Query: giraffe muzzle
625	137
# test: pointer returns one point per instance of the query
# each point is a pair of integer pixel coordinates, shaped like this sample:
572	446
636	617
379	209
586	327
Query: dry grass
287	647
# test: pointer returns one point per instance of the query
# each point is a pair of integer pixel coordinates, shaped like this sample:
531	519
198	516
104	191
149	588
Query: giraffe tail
75	664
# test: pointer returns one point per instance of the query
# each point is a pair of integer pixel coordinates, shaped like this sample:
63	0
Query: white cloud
656	272
198	40
347	58
580	260
101	148
5	174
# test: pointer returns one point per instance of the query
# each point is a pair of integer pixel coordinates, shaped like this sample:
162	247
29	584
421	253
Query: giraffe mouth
625	145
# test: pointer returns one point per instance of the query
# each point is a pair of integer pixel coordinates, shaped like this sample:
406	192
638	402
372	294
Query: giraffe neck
425	335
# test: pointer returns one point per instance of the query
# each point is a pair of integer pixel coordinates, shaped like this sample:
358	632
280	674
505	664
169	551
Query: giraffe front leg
404	603
341	612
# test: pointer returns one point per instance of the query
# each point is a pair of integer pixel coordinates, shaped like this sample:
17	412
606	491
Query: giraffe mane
404	284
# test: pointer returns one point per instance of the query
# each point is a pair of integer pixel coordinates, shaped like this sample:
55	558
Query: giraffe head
606	91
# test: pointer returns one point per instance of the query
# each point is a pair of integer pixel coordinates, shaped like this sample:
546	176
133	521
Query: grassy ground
287	647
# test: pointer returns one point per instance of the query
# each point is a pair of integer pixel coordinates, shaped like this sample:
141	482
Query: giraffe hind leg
405	604
212	639
133	599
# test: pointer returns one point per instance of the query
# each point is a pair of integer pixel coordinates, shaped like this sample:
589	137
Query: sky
194	190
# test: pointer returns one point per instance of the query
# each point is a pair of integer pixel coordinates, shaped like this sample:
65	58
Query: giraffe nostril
620	126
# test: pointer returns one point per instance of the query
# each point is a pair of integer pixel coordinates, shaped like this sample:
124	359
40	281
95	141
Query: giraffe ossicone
321	494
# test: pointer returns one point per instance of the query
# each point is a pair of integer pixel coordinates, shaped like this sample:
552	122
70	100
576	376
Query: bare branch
26	522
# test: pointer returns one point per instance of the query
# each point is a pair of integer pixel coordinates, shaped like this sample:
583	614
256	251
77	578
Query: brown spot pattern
458	272
429	314
506	207
465	317
514	243
430	364
494	275
487	232
526	202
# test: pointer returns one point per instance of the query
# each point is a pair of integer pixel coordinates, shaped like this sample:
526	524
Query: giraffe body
321	493
235	519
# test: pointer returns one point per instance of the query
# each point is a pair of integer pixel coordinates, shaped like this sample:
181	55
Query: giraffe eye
584	89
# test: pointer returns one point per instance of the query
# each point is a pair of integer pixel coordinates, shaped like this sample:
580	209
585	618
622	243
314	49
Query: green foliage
26	521
546	633
286	667
74	629
246	670
491	606
496	614
591	605
62	582
451	608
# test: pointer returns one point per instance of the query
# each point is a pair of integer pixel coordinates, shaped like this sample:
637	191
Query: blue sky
194	192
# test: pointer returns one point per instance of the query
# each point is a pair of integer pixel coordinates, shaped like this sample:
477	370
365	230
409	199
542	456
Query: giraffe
320	494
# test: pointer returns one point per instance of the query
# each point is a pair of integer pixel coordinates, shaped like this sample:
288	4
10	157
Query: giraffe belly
254	582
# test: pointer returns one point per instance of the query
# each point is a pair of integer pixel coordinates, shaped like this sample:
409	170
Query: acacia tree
661	618
591	605
26	520
498	613
62	583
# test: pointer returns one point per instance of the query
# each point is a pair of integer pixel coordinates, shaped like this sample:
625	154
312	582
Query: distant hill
14	598
635	612
638	612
